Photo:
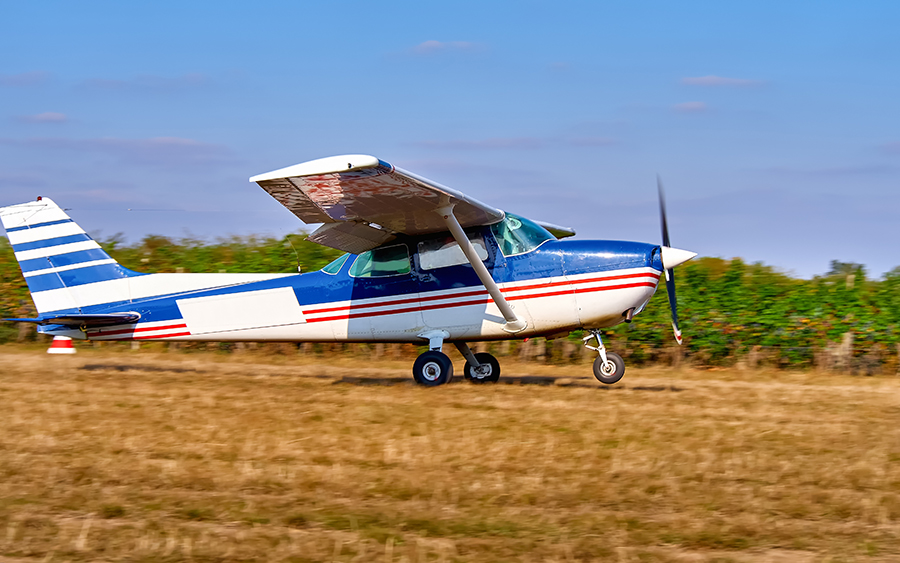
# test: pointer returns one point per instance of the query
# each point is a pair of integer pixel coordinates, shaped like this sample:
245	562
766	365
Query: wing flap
350	236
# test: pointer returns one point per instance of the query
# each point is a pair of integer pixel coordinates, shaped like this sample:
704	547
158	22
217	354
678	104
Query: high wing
365	202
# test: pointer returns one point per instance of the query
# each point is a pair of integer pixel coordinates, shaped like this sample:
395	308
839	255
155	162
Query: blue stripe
36	225
50	242
92	274
35	264
63	259
78	276
44	282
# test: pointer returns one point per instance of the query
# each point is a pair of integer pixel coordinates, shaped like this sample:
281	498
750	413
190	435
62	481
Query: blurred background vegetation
731	312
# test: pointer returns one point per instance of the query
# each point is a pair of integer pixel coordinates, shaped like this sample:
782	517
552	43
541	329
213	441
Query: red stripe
133	330
608	287
470	294
352	315
578	282
162	336
395	302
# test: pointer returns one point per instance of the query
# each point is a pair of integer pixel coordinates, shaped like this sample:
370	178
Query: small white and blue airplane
425	264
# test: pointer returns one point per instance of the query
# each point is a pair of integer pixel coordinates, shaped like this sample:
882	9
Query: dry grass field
135	456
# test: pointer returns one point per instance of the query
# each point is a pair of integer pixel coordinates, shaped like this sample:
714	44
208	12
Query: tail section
62	265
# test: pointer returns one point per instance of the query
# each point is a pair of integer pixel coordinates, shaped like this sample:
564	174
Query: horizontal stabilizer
85	320
556	230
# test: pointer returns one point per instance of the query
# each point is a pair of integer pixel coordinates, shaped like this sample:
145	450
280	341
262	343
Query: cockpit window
516	235
381	262
445	251
336	265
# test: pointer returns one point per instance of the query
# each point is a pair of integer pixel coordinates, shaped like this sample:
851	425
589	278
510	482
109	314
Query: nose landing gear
609	367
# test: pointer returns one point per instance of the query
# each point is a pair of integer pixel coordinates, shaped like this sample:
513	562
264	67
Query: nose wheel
609	367
611	370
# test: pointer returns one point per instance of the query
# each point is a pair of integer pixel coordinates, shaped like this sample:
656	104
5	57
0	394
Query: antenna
288	237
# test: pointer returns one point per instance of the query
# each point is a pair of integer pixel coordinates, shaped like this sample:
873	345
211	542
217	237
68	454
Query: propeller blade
670	272
673	306
662	212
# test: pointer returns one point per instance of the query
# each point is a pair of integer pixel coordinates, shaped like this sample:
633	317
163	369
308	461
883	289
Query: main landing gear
609	367
434	368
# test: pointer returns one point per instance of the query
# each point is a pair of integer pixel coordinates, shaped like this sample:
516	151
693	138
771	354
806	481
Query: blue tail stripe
44	282
63	259
50	242
35	264
93	274
36	225
78	276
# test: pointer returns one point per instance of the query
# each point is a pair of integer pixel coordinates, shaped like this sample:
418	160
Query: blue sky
774	125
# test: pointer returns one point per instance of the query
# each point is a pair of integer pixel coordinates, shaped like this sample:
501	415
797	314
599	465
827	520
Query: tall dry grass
169	457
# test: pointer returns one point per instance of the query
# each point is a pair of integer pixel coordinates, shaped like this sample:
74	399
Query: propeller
671	257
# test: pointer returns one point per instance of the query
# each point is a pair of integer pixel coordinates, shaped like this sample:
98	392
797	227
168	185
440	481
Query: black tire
433	368
492	367
612	372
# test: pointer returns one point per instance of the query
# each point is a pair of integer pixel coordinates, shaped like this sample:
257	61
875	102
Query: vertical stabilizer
62	265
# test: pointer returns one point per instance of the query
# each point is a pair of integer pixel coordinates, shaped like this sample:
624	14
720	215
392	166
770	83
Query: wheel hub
608	368
482	371
431	371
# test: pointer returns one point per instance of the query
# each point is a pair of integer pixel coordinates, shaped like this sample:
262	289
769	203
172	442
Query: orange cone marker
61	345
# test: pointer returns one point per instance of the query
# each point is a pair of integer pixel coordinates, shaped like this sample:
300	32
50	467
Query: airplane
424	264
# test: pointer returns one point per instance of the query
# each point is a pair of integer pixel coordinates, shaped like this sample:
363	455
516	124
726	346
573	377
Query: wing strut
513	323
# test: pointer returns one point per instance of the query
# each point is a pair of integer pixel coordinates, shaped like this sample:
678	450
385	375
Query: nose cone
672	257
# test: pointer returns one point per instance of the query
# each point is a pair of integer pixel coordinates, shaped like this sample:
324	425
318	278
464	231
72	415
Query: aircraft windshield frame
517	235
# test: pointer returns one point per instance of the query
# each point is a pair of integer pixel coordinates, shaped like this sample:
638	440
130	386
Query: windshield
516	234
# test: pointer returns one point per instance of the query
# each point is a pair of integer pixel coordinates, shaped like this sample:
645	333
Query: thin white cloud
24	79
149	82
46	117
712	80
433	47
834	171
516	143
591	141
159	151
690	107
494	143
891	148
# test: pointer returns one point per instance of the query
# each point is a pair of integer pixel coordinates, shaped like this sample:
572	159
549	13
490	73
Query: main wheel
487	372
432	368
611	371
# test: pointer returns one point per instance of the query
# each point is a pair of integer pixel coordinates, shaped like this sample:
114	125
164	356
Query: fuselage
557	286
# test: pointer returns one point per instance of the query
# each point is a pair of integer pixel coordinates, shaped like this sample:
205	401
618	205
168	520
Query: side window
336	265
381	262
445	251
516	235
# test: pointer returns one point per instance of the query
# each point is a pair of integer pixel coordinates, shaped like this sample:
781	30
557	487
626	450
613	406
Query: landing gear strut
609	367
481	367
